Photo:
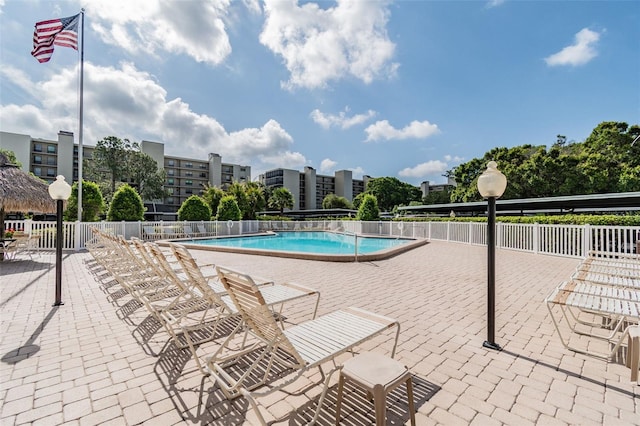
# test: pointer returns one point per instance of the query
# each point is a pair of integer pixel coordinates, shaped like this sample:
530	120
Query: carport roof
590	202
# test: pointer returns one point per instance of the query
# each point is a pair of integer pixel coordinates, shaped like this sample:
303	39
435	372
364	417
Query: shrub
126	205
368	208
92	202
228	209
194	208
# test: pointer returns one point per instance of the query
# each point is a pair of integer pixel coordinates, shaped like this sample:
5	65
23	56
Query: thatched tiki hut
22	192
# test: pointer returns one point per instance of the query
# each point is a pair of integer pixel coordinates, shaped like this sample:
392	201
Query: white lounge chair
615	307
221	305
298	348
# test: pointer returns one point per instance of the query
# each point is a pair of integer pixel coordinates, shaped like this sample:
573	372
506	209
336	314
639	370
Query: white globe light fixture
60	191
492	182
491	185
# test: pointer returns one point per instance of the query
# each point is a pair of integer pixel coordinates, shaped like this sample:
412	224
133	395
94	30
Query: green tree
92	202
436	197
281	198
228	209
212	196
146	176
110	160
238	191
605	162
368	209
11	157
126	205
391	192
194	208
357	200
333	201
255	200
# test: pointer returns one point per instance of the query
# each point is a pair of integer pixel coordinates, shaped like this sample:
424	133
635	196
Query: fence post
586	240
499	234
536	238
77	229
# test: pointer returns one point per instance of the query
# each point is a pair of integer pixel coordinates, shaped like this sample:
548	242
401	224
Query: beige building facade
309	188
185	176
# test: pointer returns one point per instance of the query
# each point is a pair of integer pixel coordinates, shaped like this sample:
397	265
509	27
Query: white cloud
357	172
322	45
341	120
415	130
327	165
455	159
193	28
424	169
129	103
579	53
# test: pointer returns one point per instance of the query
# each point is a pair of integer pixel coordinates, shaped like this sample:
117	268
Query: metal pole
491	276
59	243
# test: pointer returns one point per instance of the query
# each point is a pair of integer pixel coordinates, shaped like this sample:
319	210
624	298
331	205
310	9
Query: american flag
60	32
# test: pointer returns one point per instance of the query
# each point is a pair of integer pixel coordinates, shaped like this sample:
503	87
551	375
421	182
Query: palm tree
281	198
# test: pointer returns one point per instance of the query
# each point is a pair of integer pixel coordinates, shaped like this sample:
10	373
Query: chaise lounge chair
220	304
615	307
297	349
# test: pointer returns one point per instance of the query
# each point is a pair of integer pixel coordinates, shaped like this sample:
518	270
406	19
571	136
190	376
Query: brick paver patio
99	360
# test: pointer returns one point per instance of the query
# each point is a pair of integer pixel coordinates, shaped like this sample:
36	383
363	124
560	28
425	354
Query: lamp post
59	191
491	185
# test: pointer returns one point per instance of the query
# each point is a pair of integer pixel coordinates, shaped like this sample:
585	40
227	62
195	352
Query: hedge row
567	219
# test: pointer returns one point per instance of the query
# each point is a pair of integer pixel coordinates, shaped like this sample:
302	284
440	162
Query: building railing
558	240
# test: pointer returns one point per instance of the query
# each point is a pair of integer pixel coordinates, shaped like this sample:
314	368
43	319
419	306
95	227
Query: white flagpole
80	154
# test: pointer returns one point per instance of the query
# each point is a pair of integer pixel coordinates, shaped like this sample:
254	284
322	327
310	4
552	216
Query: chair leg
380	403
339	399
633	351
412	408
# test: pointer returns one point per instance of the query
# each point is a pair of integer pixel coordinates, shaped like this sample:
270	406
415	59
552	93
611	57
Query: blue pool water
307	242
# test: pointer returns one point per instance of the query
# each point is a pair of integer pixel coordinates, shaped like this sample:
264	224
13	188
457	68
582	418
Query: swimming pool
313	245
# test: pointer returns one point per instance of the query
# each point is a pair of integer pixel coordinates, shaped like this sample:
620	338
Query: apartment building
309	188
185	176
427	188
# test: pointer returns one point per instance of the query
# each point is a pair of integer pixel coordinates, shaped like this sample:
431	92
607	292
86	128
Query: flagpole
80	119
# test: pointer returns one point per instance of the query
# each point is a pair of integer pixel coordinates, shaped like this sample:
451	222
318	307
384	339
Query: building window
51	161
203	175
51	149
188	182
188	174
51	172
170	191
170	181
189	165
171	163
37	159
169	200
37	171
171	172
203	166
188	191
37	147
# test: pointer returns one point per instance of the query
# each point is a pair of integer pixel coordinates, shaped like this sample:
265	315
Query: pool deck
98	361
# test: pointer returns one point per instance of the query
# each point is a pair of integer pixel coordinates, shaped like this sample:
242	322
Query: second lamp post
491	185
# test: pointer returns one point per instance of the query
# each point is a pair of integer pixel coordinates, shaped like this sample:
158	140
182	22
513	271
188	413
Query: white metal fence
559	240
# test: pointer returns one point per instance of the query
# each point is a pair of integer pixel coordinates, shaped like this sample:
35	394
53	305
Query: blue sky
408	89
